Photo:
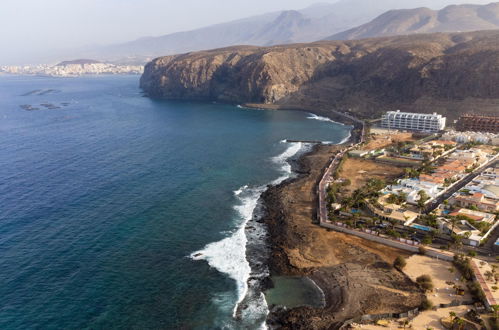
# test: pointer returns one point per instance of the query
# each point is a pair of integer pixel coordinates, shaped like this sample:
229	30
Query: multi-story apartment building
478	123
413	121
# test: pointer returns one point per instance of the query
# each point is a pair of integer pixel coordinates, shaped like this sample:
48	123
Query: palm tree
355	218
460	323
392	223
423	197
495	309
453	221
458	240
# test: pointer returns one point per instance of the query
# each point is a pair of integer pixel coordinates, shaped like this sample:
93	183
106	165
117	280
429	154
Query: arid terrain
448	73
355	275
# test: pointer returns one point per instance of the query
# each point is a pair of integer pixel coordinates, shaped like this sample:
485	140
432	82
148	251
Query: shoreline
294	252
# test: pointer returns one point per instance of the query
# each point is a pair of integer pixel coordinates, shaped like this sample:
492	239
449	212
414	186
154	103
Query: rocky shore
356	276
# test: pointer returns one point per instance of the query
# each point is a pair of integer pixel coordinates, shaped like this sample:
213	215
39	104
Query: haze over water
103	200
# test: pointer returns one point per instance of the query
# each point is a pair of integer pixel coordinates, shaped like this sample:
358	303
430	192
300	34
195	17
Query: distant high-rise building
421	122
477	123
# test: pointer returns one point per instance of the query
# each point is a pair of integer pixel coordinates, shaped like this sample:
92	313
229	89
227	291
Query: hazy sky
28	26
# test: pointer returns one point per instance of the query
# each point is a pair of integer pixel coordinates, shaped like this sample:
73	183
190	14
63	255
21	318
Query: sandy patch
425	320
359	171
440	273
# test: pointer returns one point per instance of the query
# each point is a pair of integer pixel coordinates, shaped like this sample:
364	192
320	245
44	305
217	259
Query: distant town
73	69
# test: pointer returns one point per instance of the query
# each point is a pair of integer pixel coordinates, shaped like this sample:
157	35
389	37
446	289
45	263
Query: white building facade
413	121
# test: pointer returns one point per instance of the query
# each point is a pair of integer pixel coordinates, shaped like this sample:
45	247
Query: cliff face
450	73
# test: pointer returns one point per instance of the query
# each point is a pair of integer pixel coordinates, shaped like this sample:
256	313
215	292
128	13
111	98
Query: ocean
119	211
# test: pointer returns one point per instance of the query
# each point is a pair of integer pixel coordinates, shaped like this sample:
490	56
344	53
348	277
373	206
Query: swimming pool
420	227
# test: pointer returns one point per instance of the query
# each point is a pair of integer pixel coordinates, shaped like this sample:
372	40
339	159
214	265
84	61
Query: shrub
422	250
476	291
393	233
425	282
426	304
472	253
427	240
462	263
399	263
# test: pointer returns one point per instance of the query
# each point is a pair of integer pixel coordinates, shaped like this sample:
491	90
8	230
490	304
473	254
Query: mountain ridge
450	73
314	23
453	18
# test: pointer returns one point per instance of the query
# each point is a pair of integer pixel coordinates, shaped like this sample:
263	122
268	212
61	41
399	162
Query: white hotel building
413	121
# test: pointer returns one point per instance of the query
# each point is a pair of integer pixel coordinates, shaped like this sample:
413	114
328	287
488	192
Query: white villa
412	187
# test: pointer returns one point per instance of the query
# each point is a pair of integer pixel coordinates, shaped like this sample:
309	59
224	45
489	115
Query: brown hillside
455	18
448	73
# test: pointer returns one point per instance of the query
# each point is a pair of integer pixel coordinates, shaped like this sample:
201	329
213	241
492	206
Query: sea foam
320	118
229	255
282	160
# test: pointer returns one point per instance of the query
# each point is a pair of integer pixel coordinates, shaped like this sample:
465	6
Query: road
452	190
325	180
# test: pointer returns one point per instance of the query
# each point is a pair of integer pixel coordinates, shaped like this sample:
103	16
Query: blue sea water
106	196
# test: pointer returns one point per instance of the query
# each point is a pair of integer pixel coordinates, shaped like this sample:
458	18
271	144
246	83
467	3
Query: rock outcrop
449	73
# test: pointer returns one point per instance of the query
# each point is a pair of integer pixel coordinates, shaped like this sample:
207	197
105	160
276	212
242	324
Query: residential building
394	212
465	137
475	215
413	121
478	200
477	123
412	187
430	150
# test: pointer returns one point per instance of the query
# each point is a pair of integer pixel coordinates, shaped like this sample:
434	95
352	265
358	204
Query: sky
34	26
31	25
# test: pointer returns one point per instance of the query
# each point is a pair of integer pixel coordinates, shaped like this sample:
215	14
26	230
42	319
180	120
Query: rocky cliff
448	73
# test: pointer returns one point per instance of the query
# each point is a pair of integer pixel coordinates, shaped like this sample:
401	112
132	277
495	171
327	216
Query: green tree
495	309
423	198
459	322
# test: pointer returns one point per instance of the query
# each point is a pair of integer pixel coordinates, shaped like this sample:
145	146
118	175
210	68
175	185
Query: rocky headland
449	73
355	275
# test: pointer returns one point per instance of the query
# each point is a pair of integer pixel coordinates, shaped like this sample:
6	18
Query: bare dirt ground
441	275
355	275
425	320
387	138
359	171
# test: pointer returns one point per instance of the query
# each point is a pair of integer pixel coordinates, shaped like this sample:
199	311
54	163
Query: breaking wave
228	256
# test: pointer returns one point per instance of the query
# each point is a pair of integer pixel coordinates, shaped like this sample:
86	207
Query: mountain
453	18
313	23
450	73
79	61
